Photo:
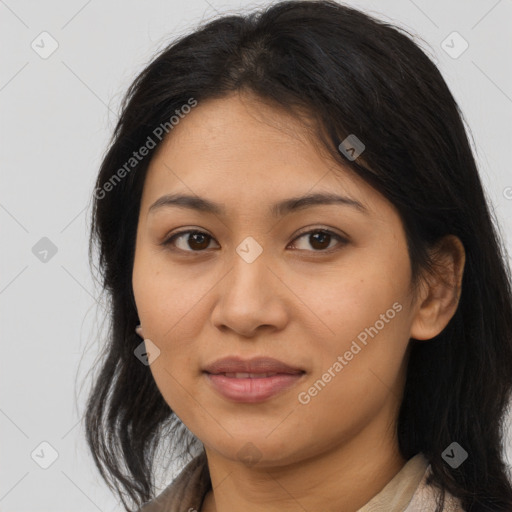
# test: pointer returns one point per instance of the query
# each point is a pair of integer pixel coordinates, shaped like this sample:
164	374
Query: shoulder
425	496
187	490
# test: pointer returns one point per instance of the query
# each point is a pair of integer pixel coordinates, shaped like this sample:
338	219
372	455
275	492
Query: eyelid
343	239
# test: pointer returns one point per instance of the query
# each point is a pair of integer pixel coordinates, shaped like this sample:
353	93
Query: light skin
303	301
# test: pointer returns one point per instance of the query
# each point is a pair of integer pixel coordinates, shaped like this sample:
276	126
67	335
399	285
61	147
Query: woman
308	294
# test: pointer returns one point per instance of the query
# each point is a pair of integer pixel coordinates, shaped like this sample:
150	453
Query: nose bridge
249	276
247	296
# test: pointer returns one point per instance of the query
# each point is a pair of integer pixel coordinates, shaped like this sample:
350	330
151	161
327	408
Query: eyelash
169	242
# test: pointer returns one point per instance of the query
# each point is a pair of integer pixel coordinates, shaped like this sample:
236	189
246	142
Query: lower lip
253	390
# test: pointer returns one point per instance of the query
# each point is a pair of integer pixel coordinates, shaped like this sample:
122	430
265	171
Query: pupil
194	240
323	236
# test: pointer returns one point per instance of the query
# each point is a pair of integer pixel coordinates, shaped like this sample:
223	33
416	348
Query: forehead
239	149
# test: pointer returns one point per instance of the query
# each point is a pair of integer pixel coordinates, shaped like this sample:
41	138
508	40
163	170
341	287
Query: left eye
198	241
321	239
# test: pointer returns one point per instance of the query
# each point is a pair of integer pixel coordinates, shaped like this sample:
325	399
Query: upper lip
254	365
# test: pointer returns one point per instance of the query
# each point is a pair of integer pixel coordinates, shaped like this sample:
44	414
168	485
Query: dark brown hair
354	75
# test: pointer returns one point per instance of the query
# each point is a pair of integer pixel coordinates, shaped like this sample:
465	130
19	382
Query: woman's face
323	288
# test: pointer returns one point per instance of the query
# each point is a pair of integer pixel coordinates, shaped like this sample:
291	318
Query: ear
138	330
439	294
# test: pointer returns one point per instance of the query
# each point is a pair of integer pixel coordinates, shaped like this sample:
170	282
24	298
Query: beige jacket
406	492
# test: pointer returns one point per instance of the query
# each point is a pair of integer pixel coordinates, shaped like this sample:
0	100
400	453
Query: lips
251	381
250	368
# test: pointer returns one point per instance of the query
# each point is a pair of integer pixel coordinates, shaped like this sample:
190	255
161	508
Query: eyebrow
278	209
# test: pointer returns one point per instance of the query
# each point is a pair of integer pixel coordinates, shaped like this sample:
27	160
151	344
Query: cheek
170	308
365	321
352	297
357	371
164	295
167	305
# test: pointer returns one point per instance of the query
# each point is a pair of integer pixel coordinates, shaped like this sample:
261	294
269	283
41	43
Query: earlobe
138	330
440	293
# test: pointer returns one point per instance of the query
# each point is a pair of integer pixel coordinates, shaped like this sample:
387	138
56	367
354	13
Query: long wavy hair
347	73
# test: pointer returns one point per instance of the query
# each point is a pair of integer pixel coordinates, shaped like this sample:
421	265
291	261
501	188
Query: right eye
196	241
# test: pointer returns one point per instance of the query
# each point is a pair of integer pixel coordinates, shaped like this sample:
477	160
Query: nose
251	298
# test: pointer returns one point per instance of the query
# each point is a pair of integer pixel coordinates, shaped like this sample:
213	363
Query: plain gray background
57	116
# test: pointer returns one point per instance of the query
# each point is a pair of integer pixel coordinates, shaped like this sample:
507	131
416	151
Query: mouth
251	380
244	387
245	375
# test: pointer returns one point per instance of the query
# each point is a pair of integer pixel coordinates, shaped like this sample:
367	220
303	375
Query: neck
344	477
